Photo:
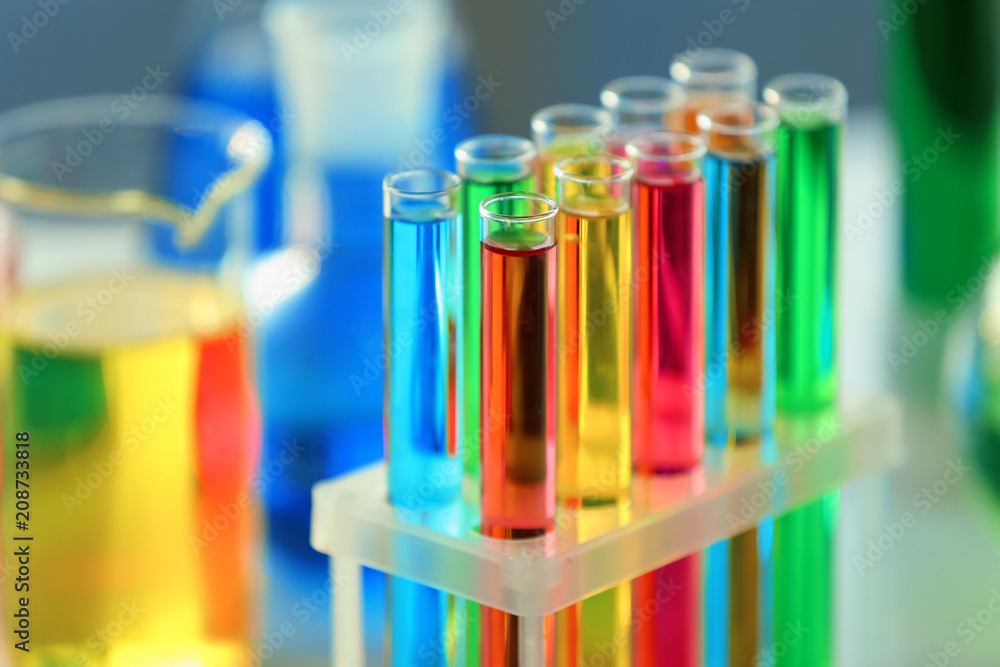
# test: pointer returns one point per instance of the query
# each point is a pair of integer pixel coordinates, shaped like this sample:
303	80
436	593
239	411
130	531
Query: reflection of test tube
668	424
518	385
642	104
813	109
420	208
567	130
739	354
425	626
488	165
597	630
666	603
803	559
594	330
711	77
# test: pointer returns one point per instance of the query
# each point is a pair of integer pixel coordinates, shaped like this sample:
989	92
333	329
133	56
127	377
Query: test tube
642	104
712	77
594	234
813	109
668	191
518	365
567	130
740	368
420	208
518	385
740	266
488	165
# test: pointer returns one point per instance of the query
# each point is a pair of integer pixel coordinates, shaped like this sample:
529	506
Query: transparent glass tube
642	104
813	109
594	233
668	193
518	365
518	495
740	266
567	130
488	165
739	356
712	77
424	465
420	209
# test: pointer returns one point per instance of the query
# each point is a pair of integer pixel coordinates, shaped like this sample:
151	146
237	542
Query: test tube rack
672	516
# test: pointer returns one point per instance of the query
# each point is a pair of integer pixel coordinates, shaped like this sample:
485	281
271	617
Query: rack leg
532	649
348	648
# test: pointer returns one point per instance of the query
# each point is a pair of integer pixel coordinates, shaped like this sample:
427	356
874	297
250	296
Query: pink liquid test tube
668	203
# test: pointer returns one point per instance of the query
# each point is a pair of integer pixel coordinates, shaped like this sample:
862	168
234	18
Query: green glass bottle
943	95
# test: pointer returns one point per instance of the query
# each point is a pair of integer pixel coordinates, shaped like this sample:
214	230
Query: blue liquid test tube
425	466
740	371
424	463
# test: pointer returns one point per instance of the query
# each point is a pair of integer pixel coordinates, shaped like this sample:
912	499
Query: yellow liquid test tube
594	235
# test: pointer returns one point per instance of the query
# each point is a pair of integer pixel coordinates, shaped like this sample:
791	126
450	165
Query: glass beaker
129	426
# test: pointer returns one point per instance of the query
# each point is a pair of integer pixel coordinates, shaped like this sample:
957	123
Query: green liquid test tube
488	165
813	109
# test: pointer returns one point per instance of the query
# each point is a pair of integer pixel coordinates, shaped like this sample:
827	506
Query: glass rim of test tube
571	119
805	98
642	95
740	130
493	151
396	182
641	147
564	169
714	69
765	119
548	213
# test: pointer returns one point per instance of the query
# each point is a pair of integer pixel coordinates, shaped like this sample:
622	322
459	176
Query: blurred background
546	60
351	90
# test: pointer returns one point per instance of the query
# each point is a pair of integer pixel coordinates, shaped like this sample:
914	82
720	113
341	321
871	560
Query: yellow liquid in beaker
142	431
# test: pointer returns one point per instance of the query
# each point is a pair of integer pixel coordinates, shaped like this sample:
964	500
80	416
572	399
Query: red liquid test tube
668	203
517	371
